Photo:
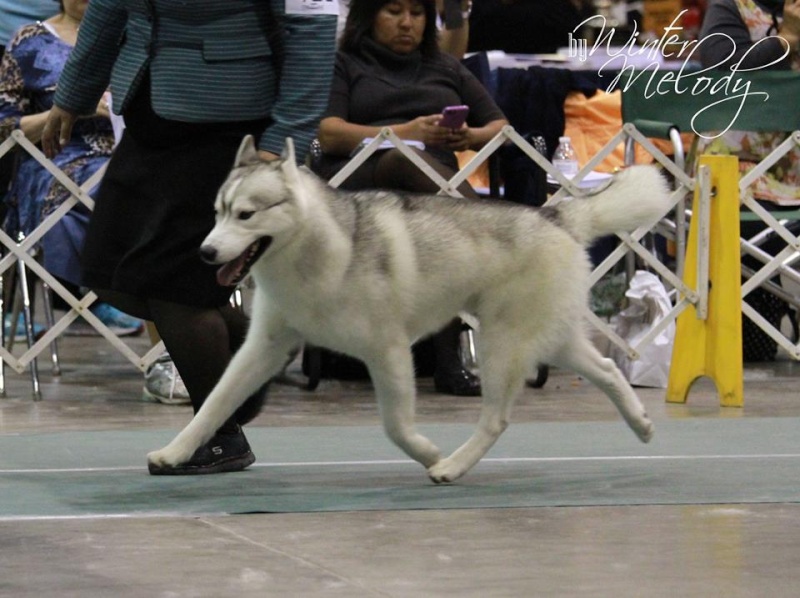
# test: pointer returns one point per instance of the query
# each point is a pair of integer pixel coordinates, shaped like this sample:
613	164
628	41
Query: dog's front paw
166	458
644	429
445	471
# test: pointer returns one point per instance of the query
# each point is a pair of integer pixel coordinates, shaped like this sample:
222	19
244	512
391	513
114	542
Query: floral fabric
781	184
29	72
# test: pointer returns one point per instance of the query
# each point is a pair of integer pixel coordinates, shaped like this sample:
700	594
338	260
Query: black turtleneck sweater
379	87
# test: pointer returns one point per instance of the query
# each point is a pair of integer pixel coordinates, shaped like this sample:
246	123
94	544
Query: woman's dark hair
361	18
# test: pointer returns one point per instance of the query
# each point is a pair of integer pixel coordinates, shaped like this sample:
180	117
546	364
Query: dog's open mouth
234	271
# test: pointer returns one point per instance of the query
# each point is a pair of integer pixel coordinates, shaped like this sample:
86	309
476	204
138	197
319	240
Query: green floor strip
697	461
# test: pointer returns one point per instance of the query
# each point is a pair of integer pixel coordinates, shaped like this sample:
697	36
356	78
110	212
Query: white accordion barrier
633	248
21	254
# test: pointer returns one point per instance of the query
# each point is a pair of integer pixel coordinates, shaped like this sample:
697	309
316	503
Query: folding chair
665	104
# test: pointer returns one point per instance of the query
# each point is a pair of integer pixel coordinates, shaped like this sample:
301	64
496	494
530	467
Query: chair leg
469	356
28	317
47	300
3	305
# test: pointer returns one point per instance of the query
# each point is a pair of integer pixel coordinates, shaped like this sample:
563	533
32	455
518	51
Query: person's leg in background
162	382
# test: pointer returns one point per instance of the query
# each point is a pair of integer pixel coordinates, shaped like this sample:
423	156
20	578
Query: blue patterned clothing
29	72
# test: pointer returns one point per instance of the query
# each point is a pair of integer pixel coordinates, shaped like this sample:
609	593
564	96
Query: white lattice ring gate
21	251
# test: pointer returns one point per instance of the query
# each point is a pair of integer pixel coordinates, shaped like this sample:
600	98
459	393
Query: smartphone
454	116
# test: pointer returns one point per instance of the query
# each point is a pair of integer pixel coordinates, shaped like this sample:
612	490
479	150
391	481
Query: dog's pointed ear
288	151
291	174
248	153
288	163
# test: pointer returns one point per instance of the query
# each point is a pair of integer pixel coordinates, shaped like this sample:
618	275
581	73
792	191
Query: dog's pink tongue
226	275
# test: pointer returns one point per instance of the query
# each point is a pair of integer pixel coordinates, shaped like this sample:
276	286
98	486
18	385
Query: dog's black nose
208	254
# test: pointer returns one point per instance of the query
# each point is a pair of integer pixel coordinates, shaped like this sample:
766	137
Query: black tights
200	340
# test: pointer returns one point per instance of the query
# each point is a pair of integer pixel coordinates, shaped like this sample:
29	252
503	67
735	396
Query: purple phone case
454	116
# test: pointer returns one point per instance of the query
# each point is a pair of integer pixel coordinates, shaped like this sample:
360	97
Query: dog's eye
245	215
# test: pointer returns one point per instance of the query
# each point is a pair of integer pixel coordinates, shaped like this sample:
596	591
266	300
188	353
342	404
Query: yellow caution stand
708	335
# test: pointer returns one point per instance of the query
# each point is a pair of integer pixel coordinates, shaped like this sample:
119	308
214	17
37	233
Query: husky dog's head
256	205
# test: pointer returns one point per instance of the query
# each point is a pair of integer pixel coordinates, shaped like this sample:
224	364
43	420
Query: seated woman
390	72
29	71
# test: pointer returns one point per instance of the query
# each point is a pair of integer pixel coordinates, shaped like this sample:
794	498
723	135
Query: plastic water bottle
564	158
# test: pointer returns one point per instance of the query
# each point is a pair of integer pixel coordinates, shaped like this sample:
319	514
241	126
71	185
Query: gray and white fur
368	273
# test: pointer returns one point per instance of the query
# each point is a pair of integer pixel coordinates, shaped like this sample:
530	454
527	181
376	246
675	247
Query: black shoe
252	406
226	451
459	382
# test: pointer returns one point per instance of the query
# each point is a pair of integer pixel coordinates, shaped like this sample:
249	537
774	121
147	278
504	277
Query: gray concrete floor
689	550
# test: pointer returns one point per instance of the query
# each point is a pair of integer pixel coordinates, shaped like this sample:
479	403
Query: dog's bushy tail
636	196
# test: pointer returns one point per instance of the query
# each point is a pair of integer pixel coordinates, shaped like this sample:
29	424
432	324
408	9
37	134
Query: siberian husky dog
368	273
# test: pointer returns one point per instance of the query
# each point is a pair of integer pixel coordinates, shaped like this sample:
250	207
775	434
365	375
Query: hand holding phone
453	117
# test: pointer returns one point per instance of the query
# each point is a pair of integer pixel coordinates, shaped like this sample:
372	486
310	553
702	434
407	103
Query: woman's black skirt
156	205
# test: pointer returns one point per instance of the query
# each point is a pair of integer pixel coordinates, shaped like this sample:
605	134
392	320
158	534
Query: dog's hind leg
581	356
262	356
504	364
393	377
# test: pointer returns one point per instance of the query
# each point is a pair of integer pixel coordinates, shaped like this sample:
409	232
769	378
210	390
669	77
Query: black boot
457	381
